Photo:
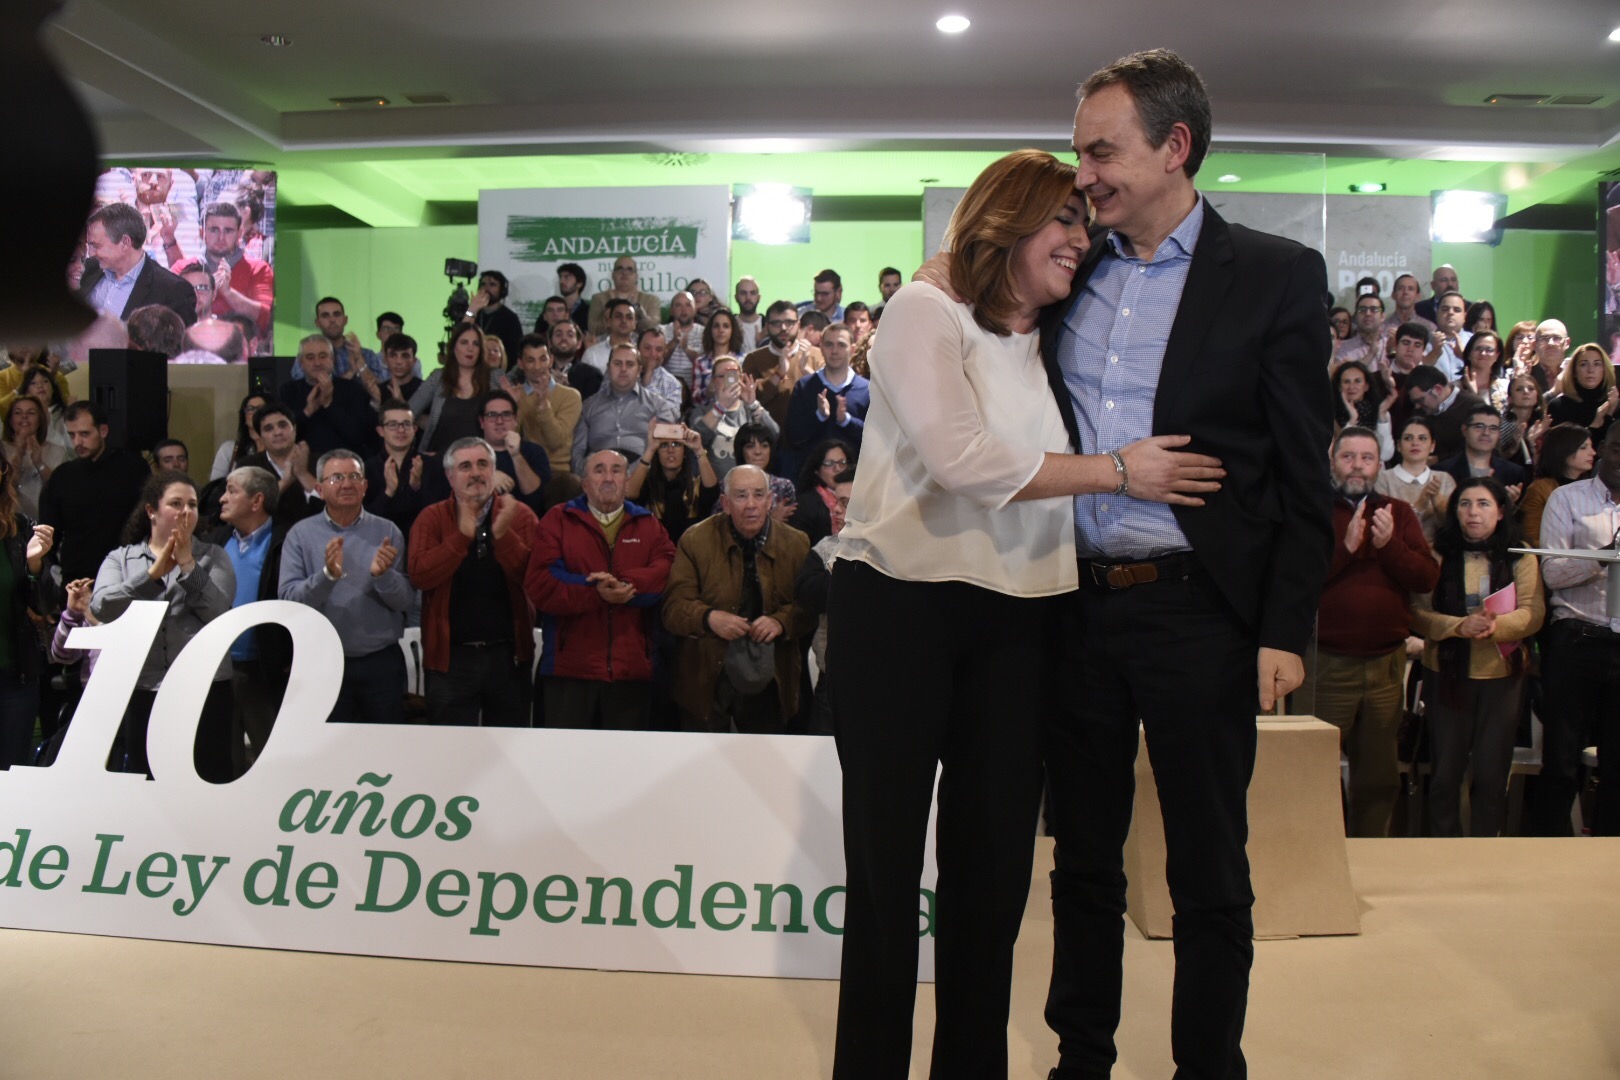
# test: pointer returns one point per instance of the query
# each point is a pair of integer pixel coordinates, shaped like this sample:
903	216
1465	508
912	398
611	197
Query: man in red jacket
467	554
596	575
1353	679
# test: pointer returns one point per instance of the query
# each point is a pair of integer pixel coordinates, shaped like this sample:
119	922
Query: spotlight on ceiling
277	40
1371	188
952	24
1229	178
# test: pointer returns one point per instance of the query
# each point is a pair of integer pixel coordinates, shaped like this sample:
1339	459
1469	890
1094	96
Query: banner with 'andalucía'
675	234
648	851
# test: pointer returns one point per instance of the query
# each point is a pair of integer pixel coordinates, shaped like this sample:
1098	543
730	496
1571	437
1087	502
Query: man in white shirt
1447	344
1404	294
1580	666
684	337
621	323
749	322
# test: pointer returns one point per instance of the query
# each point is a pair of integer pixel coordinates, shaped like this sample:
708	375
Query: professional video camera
459	271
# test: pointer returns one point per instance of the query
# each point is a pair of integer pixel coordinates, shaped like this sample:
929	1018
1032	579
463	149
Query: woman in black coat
21	657
816	482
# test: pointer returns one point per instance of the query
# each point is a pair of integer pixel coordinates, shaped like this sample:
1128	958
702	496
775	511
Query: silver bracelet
1119	469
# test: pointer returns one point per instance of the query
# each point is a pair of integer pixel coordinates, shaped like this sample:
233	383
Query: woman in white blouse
959	534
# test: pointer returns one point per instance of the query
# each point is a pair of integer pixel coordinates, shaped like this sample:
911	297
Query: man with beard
783	362
564	345
171	225
684	337
749	324
241	284
1355	679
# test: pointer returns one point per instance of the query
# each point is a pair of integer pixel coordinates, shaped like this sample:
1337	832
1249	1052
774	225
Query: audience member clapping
345	563
162	560
468	555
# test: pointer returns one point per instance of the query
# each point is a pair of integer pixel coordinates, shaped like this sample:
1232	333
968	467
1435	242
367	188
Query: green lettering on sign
552	239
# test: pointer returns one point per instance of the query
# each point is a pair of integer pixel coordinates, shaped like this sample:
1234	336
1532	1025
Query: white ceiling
178	79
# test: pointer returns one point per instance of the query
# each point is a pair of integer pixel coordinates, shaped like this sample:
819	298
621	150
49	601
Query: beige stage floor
1495	958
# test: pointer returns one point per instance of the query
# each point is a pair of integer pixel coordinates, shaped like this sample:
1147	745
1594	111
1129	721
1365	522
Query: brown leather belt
1114	576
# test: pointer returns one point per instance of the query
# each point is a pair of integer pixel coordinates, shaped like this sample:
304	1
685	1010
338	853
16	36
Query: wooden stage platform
1477	958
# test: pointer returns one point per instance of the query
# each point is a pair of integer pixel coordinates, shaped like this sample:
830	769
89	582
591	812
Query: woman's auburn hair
1010	200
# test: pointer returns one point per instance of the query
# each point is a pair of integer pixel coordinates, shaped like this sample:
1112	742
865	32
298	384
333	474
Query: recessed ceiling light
278	40
1614	35
1372	188
953	24
1229	178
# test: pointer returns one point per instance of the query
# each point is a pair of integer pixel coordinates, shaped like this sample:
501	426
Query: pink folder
1499	603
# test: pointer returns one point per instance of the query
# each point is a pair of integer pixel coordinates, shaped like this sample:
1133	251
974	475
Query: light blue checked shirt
1111	349
112	292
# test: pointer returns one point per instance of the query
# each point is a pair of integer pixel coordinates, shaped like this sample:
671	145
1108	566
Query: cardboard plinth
1297	856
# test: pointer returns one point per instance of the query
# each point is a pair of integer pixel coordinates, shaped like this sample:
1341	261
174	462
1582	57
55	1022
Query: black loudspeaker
132	390
268	374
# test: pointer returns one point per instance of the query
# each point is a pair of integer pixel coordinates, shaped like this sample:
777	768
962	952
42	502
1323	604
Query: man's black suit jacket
153	285
1245	374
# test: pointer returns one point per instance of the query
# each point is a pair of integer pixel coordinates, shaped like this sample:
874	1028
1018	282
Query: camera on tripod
459	271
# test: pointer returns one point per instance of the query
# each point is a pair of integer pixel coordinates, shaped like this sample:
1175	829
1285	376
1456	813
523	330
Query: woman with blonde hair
495	355
959	535
1587	393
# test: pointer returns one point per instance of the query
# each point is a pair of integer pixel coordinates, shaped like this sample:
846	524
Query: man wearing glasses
782	362
1482	431
521	467
1552	339
626	286
397	479
1367	344
345	563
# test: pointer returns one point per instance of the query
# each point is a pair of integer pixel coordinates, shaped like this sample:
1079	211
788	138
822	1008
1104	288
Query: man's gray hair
255	480
321	338
1167	91
337	455
741	470
466	444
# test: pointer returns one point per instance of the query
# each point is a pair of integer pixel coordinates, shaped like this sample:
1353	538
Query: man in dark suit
1446	404
1482	432
333	413
119	277
1189	616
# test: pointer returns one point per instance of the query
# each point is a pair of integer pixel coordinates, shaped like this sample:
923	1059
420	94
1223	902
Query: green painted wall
376	270
1532	275
371	271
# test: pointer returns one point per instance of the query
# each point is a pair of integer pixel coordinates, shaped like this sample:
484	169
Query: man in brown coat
732	583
